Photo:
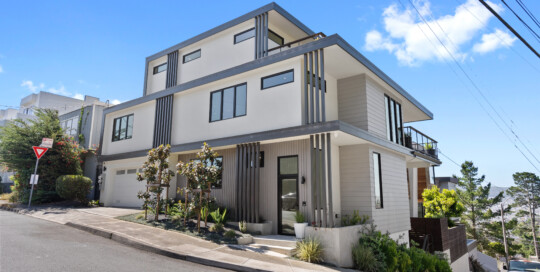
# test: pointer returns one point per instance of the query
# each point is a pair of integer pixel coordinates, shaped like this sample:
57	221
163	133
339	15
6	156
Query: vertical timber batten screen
314	87
322	212
172	68
247	182
163	121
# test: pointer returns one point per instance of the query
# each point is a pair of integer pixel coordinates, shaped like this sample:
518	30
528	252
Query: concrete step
286	251
275	240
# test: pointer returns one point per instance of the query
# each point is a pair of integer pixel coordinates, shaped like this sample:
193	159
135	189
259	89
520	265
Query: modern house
301	120
83	125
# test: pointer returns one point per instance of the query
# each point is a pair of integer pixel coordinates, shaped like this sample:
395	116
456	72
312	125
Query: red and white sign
39	151
46	142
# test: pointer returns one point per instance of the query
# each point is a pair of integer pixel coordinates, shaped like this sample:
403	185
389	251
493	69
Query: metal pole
32	190
504	235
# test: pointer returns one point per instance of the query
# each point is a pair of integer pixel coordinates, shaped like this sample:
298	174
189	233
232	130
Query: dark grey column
257	181
238	184
256	37
306	96
316	75
312	180
317	180
172	67
244	182
163	121
323	179
329	163
323	89
311	102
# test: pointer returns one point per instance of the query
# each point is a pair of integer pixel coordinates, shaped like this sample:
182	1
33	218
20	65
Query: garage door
125	189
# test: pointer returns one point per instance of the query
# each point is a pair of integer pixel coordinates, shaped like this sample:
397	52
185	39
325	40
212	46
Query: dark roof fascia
357	55
231	23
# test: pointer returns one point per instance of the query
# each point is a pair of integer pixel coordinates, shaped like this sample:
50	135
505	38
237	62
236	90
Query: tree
526	196
493	232
475	198
157	174
523	232
442	204
201	174
16	154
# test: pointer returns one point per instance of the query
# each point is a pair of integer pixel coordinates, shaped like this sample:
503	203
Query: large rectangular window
192	56
228	103
277	79
160	68
122	128
394	122
377	174
219	164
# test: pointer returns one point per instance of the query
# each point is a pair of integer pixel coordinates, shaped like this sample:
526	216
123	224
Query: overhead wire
531	15
523	22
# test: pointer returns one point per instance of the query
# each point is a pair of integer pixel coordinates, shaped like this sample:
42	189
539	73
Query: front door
287	193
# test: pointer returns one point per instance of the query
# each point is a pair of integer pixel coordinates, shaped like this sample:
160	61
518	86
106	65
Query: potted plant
300	225
429	148
408	140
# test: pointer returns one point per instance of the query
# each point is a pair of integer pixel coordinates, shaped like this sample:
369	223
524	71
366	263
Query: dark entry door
287	193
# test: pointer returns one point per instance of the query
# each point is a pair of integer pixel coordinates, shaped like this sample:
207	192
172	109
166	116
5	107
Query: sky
98	48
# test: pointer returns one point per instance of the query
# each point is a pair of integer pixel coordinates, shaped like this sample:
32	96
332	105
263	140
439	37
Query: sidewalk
100	221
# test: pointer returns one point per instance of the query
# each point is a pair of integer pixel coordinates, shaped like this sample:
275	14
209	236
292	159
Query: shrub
73	187
139	216
299	217
356	219
364	259
219	218
309	250
242	226
217	227
230	234
442	204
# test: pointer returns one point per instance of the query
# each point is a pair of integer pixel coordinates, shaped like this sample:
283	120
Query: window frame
379	174
191	53
221	103
236	35
277	74
115	120
394	127
156	68
277	35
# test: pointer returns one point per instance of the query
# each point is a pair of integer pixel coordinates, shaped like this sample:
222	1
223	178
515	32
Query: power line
531	15
521	20
509	27
474	84
440	152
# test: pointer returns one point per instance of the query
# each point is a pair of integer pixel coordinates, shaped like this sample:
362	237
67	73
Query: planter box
262	228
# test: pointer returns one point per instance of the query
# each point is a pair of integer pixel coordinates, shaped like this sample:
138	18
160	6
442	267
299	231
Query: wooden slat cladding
172	69
163	120
314	87
321	181
261	35
248	181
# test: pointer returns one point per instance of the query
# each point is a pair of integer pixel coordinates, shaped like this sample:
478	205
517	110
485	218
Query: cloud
78	96
115	102
406	32
60	91
493	41
31	87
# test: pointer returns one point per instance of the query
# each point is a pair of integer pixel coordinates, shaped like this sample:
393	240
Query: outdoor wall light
303	179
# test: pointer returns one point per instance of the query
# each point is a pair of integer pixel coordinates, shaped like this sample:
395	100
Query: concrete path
100	221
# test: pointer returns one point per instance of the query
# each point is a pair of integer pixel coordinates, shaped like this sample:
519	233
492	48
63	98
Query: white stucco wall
156	83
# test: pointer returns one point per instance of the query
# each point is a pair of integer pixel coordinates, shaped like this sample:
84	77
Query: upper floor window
277	79
192	56
228	103
240	37
394	123
70	126
219	164
122	128
377	174
273	36
160	68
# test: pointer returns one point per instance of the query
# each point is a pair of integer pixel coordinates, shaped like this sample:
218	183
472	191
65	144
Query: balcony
296	43
420	142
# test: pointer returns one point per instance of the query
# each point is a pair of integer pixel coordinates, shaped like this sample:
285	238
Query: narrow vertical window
240	109
215	113
228	103
388	126
399	125
394	122
377	180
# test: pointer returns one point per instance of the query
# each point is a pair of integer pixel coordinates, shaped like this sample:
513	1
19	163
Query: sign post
39	151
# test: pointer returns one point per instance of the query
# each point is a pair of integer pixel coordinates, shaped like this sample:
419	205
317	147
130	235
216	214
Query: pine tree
526	196
475	197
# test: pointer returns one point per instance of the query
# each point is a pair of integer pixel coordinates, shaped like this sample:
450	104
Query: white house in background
302	121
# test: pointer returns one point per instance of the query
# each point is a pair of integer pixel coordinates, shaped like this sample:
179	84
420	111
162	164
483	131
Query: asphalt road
31	244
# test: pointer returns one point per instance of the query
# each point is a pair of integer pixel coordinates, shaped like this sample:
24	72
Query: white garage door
125	189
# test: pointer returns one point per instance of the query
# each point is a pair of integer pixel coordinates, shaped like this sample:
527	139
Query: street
30	244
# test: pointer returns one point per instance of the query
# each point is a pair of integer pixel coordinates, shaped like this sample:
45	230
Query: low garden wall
337	243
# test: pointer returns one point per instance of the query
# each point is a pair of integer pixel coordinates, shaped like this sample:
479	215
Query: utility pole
504	235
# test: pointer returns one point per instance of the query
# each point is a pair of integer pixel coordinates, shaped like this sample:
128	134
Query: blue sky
98	48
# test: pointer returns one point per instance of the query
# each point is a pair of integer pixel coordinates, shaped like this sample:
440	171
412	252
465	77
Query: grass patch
6	196
189	229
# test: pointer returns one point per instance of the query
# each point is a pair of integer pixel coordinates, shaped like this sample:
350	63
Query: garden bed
189	229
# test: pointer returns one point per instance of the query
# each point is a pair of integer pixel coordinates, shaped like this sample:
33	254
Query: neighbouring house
301	120
83	124
449	183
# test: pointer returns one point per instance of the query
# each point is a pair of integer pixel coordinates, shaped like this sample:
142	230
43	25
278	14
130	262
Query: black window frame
274	75
191	53
379	174
156	68
116	134
278	36
236	35
394	126
235	115
221	179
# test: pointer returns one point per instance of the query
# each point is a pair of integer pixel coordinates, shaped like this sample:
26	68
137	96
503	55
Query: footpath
101	221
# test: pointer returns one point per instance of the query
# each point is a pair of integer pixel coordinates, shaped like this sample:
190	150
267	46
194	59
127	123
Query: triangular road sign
39	151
